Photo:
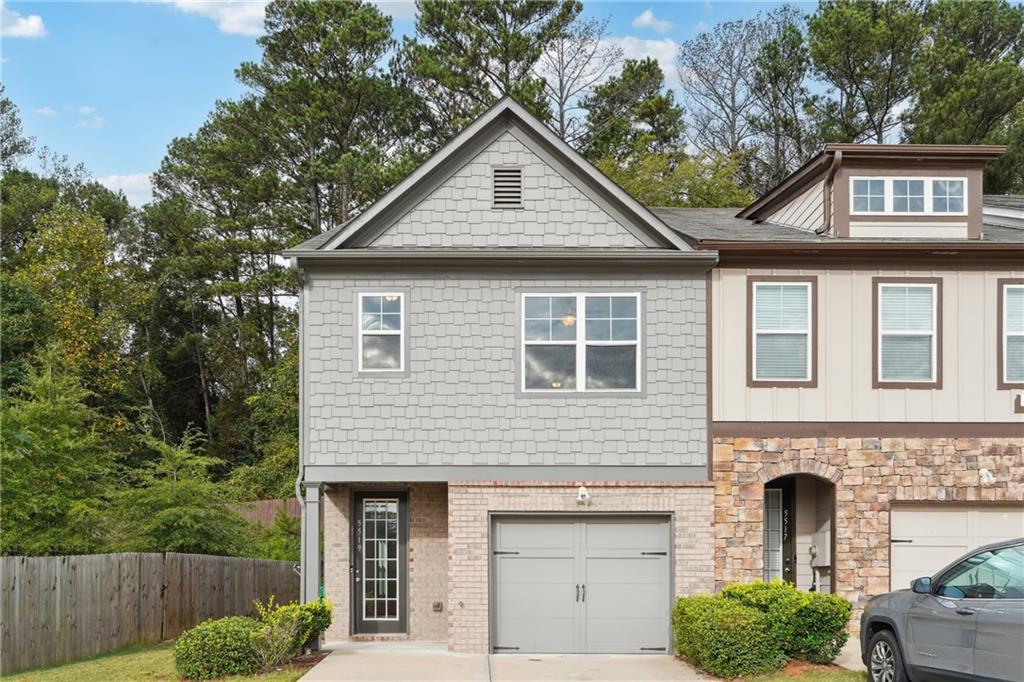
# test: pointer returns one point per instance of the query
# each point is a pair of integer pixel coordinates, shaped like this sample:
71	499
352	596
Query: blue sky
110	84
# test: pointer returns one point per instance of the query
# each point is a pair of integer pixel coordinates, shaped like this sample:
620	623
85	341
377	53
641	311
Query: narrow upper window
381	332
1011	312
907	343
560	354
508	187
948	196
868	195
908	196
782	339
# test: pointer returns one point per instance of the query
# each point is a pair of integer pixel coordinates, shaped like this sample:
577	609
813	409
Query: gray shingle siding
460	213
458	403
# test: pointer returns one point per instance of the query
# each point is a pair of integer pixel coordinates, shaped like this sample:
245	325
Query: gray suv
965	622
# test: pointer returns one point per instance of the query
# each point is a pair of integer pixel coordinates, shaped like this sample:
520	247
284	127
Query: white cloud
244	17
648	20
85	111
137	187
13	25
93	123
48	112
663	51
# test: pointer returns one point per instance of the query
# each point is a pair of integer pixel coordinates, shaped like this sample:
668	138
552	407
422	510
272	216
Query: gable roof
503	115
816	166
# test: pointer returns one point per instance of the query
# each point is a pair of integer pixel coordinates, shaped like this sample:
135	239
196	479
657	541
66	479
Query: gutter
621	257
826	226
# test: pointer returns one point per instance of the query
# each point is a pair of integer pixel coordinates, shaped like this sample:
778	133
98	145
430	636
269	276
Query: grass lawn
133	664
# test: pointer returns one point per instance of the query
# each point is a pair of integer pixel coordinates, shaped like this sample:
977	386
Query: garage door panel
536	570
625	535
535	534
634	570
625	635
627	601
537	635
926	538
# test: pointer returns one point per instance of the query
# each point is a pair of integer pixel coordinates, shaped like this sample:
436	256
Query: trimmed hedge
725	637
756	627
810	625
216	648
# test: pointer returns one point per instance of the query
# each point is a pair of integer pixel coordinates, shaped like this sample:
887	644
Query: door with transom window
379	562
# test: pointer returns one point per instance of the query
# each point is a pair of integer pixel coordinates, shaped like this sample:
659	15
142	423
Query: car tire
885	660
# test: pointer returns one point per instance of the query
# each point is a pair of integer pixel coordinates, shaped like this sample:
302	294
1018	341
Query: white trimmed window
1013	333
381	332
559	354
898	195
782	331
907	342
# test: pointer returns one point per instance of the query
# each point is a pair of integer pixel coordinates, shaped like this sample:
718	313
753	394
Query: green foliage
306	621
810	626
55	464
174	506
466	54
281	541
216	648
863	50
725	637
632	115
658	180
23	329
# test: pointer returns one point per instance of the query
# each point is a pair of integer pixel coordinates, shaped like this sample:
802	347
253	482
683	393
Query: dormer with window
881	192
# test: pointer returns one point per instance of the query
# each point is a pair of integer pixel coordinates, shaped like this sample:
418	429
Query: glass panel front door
379	575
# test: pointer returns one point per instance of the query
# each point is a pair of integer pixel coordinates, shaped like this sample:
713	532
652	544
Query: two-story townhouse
867	352
503	405
533	410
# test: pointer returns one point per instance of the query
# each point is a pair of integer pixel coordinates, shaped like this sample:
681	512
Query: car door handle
966	611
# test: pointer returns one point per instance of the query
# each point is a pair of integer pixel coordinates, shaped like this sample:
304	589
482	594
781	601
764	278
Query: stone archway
798	526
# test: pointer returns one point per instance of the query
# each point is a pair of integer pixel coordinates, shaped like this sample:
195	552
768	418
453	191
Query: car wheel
885	662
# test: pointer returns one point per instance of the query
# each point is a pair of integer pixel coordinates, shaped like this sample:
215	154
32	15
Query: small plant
216	648
724	637
306	621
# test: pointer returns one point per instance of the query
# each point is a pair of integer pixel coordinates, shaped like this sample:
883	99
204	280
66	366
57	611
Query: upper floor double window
908	196
782	347
583	342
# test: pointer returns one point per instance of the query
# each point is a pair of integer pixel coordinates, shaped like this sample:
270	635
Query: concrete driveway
401	661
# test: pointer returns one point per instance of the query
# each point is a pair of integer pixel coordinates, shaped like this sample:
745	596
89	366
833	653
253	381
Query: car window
995	574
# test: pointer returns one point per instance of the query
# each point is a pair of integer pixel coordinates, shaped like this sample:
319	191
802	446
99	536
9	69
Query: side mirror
921	585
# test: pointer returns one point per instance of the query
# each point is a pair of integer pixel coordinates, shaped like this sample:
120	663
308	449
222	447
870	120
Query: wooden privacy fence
65	608
264	511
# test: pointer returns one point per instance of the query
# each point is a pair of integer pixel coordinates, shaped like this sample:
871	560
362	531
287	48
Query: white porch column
309	589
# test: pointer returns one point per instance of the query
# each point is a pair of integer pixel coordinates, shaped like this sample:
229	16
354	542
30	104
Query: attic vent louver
508	187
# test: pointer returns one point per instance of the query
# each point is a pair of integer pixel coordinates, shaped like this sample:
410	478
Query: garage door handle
577	592
584	593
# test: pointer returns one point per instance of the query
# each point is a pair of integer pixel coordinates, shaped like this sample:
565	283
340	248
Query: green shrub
724	637
216	648
305	621
810	626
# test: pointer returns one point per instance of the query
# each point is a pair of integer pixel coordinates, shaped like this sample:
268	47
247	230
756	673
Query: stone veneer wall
428	559
870	474
470	502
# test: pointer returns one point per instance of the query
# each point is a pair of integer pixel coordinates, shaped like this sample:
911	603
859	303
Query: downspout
826	224
293	263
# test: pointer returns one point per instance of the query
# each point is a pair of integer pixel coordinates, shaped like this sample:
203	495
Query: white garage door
927	537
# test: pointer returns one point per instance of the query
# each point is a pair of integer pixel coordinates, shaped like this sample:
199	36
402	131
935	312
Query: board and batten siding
458	403
844	390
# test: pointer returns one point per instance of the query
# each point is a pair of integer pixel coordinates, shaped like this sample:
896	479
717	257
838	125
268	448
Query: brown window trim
772	383
1000	336
928	385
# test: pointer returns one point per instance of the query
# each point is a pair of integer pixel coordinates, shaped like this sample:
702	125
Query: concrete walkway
849	657
414	661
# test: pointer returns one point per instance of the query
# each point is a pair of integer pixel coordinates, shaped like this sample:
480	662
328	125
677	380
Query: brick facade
469	504
428	559
870	474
